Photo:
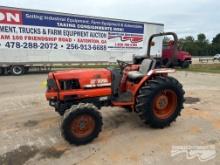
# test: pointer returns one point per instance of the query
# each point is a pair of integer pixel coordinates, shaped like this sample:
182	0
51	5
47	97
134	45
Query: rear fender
134	88
150	74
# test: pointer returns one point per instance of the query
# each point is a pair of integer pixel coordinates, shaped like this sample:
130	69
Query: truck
183	59
36	39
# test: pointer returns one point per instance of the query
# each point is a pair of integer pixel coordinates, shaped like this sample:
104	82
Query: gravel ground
30	134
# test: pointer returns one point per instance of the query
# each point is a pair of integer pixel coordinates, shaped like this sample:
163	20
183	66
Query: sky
186	17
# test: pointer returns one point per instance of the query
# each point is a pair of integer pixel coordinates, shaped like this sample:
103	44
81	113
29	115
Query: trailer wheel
17	70
160	101
26	69
81	124
1	71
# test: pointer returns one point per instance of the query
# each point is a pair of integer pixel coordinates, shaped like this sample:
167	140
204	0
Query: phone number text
69	46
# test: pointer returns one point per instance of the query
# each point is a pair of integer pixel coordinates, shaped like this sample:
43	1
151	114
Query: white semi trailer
35	38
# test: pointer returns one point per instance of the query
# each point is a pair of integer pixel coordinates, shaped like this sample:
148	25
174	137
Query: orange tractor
143	87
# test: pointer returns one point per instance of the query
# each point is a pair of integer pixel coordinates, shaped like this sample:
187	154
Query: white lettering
12	17
2	16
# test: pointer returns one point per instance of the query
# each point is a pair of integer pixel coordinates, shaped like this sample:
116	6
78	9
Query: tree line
200	46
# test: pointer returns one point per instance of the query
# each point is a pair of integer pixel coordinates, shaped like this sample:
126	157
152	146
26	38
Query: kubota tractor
144	87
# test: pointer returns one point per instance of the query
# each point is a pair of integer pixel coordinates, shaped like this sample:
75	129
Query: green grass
207	68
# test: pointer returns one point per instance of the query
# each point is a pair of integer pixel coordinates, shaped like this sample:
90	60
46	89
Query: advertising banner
46	31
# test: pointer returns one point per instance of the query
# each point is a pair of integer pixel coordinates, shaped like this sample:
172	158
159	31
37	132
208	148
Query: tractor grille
69	84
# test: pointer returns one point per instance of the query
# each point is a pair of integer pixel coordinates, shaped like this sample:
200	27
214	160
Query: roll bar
173	60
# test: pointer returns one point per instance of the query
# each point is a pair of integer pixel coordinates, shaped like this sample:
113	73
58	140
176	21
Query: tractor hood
86	77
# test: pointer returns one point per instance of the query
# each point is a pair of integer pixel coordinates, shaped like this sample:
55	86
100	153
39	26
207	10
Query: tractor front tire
160	101
81	124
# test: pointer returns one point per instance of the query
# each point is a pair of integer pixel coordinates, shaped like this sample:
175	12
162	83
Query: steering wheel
122	64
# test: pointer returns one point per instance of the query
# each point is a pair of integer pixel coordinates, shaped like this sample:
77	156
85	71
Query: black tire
17	70
185	64
128	109
1	71
147	94
26	69
165	61
74	113
60	111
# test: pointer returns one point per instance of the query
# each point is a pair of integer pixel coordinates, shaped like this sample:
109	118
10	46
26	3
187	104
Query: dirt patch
190	112
104	136
53	152
18	156
35	103
195	130
22	154
49	122
6	92
216	124
113	123
213	141
31	123
191	100
194	108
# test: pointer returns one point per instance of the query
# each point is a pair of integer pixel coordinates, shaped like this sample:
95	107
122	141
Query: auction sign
21	29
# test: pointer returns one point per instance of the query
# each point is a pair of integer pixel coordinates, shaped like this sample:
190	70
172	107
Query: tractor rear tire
81	124
160	101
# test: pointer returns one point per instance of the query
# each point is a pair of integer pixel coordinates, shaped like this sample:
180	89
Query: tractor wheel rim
164	104
82	126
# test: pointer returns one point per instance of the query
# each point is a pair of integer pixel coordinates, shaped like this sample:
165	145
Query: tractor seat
145	67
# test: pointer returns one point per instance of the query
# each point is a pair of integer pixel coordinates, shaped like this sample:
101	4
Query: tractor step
123	97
